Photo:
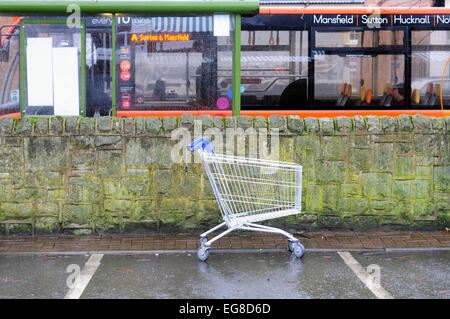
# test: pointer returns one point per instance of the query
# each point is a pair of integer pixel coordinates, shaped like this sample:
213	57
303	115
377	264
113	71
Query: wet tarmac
419	274
33	276
412	275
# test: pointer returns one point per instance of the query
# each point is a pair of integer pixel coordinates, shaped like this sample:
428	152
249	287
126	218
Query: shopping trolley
250	190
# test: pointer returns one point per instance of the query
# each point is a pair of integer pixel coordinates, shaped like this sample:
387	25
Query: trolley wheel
203	253
290	245
298	249
203	240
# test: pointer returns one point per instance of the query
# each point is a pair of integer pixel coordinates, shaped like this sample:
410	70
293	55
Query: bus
224	58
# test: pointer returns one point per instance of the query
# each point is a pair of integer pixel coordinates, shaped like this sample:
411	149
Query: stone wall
80	175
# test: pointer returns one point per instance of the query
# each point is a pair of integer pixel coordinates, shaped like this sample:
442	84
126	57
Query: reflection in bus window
98	72
172	63
390	38
361	39
360	82
274	69
9	66
430	52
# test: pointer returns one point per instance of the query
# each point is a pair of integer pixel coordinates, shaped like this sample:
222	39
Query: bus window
343	39
391	38
9	66
172	63
380	76
359	39
274	69
430	52
225	69
98	66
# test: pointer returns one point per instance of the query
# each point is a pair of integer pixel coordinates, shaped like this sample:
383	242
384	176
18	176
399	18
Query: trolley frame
232	219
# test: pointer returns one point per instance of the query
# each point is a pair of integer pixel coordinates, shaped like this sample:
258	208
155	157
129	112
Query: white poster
39	72
221	25
65	77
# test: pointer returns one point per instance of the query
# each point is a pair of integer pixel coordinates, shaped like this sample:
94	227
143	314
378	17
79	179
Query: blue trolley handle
195	145
203	143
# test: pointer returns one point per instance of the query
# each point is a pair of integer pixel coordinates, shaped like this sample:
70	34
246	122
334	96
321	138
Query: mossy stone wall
80	175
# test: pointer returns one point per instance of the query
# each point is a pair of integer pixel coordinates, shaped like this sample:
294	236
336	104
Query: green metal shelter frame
236	7
141	6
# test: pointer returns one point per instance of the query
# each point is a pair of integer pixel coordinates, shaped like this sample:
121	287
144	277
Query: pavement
145	242
336	265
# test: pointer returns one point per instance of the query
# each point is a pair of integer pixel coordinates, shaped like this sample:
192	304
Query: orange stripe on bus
352	10
349	113
16	21
302	114
16	115
171	113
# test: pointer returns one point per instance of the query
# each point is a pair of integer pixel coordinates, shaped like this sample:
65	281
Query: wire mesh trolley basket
250	190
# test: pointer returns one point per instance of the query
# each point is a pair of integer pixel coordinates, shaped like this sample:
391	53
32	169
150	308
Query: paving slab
182	241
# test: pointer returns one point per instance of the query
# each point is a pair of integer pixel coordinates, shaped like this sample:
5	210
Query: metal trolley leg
294	244
273	230
203	252
212	230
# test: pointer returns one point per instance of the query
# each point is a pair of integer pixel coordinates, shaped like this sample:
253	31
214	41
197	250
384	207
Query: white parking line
362	274
86	275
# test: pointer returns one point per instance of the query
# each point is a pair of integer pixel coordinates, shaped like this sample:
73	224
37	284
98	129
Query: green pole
124	6
23	82
236	89
113	66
